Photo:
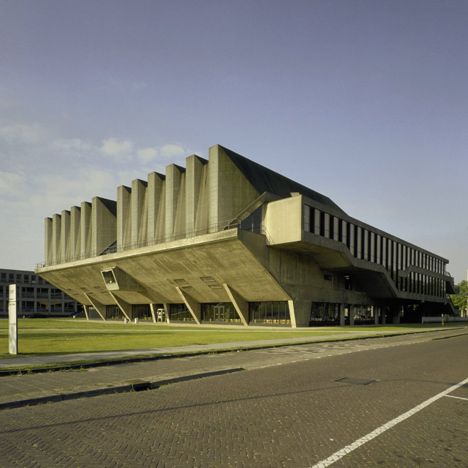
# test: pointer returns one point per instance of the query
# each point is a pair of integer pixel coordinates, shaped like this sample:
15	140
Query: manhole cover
354	381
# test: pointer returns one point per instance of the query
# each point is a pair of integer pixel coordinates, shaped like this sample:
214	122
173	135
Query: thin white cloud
11	184
172	151
147	155
23	133
120	150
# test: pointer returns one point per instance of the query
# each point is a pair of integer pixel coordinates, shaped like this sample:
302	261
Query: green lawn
52	336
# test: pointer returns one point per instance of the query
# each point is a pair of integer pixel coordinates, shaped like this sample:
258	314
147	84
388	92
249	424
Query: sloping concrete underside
198	268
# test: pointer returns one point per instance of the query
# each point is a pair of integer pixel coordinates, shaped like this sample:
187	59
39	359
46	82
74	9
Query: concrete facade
35	296
226	240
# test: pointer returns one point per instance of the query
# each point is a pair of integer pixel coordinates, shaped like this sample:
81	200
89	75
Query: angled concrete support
100	308
153	315
192	305
239	303
166	311
292	314
85	308
124	306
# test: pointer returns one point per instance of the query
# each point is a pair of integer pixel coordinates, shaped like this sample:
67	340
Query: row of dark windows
31	292
368	245
12	278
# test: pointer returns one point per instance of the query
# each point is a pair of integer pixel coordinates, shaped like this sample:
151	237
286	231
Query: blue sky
364	101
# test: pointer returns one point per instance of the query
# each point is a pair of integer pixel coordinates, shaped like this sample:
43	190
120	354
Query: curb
136	386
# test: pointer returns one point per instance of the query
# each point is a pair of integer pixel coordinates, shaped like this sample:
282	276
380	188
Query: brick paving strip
197	362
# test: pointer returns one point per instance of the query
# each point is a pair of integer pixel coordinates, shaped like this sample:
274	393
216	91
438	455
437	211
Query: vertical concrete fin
196	196
175	202
48	257
56	238
85	229
155	207
192	305
139	212
124	219
239	303
124	306
98	306
103	224
75	234
229	189
65	241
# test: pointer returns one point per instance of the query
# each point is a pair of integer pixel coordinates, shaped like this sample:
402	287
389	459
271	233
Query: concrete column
192	305
98	306
359	242
342	315
351	314
175	202
56	237
124	218
139	212
85	229
65	236
317	221
239	303
124	306
365	253
75	235
103	224
156	193
336	228
196	202
372	246
344	227
85	309
379	244
384	251
326	221
351	239
48	246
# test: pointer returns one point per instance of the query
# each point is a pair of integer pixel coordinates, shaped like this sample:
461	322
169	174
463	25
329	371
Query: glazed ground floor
270	313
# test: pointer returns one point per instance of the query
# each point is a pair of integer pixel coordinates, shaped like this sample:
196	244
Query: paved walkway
26	389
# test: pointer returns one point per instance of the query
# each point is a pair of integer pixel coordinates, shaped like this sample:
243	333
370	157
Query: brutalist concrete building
226	240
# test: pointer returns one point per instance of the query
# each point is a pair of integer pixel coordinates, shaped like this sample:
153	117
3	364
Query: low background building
35	297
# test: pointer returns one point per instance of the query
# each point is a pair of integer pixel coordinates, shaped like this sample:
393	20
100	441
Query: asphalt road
294	414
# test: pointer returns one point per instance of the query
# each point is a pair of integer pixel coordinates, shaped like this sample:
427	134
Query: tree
460	300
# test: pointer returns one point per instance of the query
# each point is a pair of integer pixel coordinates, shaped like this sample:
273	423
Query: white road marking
380	430
457	397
